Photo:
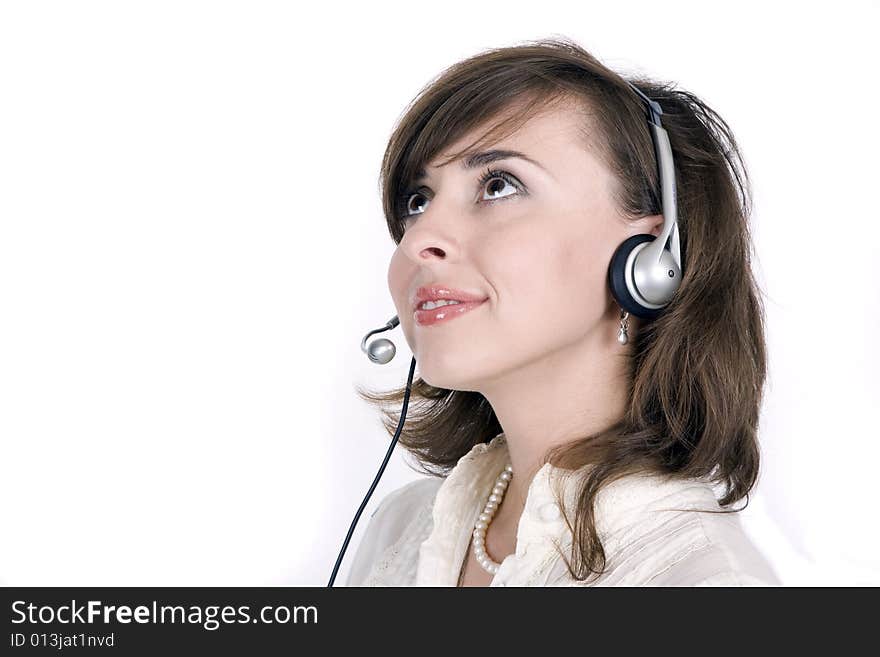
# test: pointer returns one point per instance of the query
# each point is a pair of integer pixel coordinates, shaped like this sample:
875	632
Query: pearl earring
622	337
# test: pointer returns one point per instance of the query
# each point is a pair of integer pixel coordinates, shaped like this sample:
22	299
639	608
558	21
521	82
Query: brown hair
697	371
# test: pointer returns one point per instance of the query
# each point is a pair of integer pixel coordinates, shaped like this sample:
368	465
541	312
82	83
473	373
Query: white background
192	247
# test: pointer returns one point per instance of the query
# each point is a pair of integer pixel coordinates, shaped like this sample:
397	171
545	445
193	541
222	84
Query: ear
651	224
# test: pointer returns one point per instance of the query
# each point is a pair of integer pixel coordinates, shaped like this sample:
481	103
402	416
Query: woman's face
538	254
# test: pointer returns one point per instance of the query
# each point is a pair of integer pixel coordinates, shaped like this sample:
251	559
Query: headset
643	276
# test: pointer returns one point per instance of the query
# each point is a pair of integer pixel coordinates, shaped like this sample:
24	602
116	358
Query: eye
503	185
494	177
409	206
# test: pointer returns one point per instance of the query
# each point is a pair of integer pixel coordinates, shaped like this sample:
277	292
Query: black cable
357	516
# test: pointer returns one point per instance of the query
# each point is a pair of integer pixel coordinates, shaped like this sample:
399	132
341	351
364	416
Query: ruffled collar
460	499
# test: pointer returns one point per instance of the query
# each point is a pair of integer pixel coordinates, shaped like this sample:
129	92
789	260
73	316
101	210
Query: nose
428	245
431	236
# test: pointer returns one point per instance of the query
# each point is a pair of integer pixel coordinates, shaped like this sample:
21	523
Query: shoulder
402	504
678	535
713	549
723	554
403	515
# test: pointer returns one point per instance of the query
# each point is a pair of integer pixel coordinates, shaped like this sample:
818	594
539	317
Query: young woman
569	442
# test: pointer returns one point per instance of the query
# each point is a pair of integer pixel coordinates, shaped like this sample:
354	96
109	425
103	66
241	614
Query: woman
568	442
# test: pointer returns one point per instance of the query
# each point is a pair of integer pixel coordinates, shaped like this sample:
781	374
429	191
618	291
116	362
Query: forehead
553	133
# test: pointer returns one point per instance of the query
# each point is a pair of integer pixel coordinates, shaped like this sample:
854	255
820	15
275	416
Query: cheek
585	255
559	282
398	275
583	265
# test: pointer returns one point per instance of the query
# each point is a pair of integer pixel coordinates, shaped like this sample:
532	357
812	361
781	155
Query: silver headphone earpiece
380	351
643	274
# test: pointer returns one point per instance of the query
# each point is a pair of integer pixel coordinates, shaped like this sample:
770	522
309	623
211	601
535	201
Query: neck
572	392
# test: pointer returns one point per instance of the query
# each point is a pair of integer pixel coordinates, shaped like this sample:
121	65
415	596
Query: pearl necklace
485	518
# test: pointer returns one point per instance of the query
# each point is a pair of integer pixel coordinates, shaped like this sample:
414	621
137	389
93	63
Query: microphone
381	352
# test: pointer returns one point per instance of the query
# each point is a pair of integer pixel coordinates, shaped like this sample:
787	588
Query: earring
622	337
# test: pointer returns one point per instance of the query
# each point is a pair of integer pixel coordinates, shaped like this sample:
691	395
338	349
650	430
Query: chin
441	379
451	372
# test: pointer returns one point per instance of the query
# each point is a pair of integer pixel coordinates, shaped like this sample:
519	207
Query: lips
445	313
437	292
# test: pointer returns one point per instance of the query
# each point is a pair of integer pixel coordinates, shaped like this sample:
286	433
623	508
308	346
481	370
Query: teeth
430	305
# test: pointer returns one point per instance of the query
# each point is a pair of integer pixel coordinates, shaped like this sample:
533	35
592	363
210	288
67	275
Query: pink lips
445	313
435	292
467	302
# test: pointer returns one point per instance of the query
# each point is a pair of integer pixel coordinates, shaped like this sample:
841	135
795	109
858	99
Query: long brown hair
697	372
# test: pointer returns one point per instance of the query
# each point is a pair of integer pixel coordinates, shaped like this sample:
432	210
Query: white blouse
420	533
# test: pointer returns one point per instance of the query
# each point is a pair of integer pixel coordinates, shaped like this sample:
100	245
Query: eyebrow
481	158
